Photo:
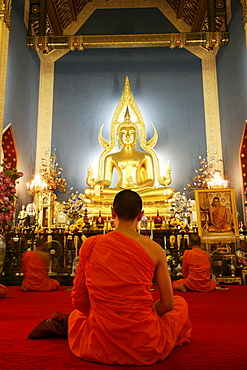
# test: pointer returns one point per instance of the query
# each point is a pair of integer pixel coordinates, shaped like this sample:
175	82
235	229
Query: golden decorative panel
5	11
208	40
4	46
244	12
61	14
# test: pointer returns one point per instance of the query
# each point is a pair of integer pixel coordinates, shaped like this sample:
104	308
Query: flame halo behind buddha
136	170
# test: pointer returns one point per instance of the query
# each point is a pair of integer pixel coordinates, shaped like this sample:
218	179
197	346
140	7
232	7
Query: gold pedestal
150	211
229	279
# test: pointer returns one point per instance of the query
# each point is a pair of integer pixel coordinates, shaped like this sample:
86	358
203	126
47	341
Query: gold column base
244	273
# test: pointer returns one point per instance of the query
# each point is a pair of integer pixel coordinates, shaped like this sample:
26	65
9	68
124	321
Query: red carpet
218	339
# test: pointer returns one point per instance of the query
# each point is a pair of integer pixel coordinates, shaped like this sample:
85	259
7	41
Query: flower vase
2	254
86	219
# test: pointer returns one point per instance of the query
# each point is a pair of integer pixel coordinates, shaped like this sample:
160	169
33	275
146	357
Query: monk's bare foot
182	288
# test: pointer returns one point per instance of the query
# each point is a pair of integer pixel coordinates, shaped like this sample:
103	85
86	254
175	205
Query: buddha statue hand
100	185
130	184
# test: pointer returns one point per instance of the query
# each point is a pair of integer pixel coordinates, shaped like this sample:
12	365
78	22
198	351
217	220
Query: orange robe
36	278
220	223
114	321
196	267
3	291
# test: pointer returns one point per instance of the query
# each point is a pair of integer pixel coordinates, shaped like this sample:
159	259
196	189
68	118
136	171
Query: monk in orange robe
34	266
196	268
115	320
3	291
218	217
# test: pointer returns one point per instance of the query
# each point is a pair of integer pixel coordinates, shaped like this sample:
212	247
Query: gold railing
70	243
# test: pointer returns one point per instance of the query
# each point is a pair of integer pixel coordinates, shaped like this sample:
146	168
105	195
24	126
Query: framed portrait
216	212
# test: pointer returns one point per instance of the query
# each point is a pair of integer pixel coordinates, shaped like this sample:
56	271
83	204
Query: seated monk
135	170
218	218
3	291
34	266
115	320
196	267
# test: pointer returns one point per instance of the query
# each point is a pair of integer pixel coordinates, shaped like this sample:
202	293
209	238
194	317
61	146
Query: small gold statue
22	218
136	170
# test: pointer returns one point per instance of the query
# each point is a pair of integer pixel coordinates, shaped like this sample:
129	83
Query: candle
194	216
76	245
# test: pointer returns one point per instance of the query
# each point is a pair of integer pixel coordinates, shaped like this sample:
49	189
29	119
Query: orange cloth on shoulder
196	268
36	277
114	321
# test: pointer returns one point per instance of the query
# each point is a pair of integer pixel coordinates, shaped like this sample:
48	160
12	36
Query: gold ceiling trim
208	40
5	11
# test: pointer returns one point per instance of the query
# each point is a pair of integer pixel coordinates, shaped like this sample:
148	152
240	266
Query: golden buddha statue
136	170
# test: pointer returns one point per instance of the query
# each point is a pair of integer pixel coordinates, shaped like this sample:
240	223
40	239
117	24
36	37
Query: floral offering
8	181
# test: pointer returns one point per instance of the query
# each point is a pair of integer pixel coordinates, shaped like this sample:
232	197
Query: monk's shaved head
40	243
127	205
195	240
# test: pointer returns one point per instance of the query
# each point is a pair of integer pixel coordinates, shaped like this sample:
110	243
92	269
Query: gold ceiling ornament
63	13
58	24
5	11
82	42
50	173
219	4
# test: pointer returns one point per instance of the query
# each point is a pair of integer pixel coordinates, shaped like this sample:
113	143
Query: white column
45	110
44	127
211	106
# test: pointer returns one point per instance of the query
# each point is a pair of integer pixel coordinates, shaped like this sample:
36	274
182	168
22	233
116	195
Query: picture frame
204	209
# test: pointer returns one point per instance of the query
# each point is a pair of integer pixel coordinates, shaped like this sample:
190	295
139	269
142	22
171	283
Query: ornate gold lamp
37	185
42	187
216	181
207	176
50	173
43	200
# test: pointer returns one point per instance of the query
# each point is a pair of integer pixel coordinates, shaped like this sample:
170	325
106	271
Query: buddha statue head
127	132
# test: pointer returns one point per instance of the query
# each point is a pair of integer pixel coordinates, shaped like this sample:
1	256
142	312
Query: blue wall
167	86
21	102
232	85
